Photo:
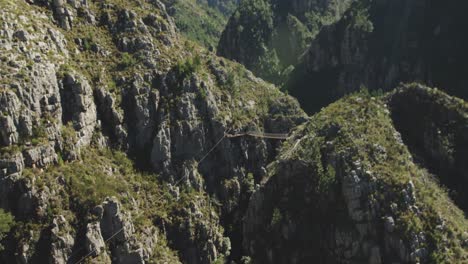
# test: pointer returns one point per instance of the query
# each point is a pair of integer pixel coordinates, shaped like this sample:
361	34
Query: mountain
269	36
106	113
202	21
379	44
346	189
123	141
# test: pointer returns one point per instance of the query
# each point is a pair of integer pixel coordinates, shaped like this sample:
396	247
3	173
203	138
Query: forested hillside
201	20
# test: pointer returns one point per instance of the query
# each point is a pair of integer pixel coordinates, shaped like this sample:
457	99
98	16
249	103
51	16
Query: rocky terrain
345	188
113	149
79	78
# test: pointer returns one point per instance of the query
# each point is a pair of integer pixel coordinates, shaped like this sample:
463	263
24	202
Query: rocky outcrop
112	121
117	228
40	157
198	232
78	108
142	104
61	241
95	244
12	165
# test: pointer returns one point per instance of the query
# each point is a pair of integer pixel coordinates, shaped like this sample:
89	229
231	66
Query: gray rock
95	244
111	118
61	241
21	35
389	224
11	165
78	107
40	156
353	190
63	14
161	146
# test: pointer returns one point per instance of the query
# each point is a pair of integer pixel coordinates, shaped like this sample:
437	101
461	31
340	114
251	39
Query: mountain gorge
202	21
354	44
270	36
124	138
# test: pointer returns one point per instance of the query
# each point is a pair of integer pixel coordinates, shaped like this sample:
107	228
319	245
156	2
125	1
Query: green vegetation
276	217
255	25
220	260
188	67
271	44
360	15
198	21
327	181
163	254
107	173
6	223
246	260
127	60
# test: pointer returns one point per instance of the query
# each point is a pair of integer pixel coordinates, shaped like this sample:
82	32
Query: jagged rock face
78	107
95	244
337	194
177	137
61	241
269	36
41	156
54	105
379	44
434	126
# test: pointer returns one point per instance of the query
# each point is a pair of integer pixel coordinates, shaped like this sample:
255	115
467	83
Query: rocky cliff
379	44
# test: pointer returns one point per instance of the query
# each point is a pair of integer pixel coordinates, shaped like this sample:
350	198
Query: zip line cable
207	154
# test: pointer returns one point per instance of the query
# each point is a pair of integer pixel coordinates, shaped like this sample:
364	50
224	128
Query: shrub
361	19
188	67
276	217
126	60
326	181
6	222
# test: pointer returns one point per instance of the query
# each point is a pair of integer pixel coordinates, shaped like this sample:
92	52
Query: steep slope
434	127
201	20
379	44
269	36
81	78
344	189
